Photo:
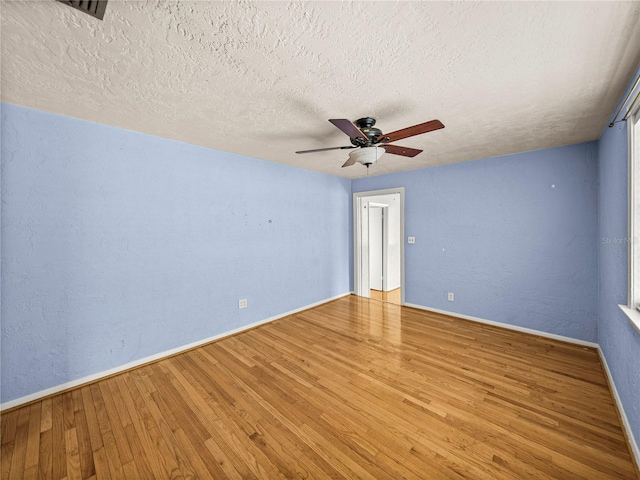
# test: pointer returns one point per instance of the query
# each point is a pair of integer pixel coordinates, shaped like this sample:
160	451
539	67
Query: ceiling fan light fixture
366	155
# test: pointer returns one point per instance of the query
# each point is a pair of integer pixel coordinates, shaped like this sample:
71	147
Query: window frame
632	309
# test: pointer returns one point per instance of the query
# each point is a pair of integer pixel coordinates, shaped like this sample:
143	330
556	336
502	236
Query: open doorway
378	245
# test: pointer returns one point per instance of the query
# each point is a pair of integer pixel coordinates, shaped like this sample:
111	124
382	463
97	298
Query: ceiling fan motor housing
366	126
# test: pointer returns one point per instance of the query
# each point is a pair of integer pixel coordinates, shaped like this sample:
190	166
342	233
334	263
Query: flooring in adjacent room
392	296
354	388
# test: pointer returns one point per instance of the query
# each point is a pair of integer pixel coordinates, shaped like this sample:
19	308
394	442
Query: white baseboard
152	358
508	326
623	415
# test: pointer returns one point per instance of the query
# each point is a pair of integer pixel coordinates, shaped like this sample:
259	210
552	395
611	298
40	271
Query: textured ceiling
262	78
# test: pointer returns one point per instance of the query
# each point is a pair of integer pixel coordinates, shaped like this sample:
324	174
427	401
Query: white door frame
361	241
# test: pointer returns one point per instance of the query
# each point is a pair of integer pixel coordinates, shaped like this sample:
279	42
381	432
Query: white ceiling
262	78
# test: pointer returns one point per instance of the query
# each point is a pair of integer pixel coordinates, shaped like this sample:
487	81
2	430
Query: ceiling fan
371	143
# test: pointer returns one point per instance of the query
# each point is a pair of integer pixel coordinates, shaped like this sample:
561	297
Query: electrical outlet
450	297
411	239
242	303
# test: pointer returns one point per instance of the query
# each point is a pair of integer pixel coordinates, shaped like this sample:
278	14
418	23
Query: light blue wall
619	341
118	245
513	237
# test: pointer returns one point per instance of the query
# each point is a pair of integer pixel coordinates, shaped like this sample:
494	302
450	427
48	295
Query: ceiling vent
95	8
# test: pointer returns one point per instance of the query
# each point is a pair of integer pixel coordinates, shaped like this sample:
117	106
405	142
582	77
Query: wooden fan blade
404	151
415	130
349	128
349	162
325	149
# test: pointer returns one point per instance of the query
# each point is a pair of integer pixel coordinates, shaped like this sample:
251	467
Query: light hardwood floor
392	296
355	388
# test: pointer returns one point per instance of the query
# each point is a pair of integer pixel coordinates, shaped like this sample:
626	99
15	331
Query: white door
376	248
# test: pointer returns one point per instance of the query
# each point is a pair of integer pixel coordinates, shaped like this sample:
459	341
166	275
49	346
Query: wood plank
131	470
116	422
85	450
3	424
45	417
58	448
20	445
111	452
33	439
139	453
10	423
101	462
6	455
45	463
91	418
73	456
